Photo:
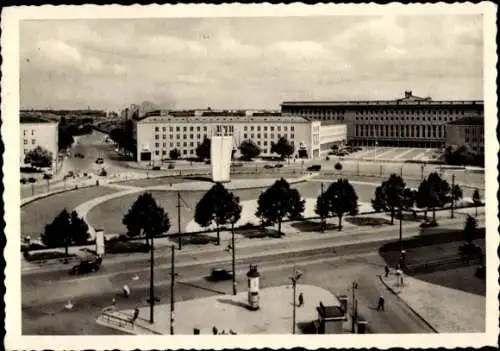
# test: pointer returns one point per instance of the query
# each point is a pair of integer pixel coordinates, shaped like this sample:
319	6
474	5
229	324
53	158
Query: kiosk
253	288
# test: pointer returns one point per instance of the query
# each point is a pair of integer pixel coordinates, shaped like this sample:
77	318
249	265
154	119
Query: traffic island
230	314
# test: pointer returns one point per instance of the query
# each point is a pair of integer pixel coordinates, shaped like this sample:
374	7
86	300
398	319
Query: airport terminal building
410	121
160	132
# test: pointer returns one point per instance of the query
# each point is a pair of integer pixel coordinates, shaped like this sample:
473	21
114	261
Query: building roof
330	312
34	119
218	119
408	100
468	121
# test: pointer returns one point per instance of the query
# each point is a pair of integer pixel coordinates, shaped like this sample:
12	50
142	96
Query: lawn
35	215
109	214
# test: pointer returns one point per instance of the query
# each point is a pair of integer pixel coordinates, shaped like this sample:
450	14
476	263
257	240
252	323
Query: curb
408	305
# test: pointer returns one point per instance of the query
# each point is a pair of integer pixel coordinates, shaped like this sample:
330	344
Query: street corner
230	314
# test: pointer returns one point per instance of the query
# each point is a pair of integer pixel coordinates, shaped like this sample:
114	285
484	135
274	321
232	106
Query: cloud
243	62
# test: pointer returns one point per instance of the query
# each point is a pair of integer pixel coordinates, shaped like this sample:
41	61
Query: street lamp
294	278
354	306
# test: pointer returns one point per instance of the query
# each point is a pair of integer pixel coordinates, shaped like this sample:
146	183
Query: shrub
32	180
46	255
24	180
338	166
117	247
47	176
199	240
327	158
156	168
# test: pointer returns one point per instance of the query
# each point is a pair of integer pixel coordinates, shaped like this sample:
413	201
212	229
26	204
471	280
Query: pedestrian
114	303
215	331
126	291
386	271
301	300
136	314
380	305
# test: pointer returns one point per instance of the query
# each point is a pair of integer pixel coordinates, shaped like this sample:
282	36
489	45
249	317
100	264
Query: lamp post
452	194
151	282
233	254
172	291
294	278
354	306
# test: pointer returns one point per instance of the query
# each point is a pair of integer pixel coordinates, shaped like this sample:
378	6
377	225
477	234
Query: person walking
301	300
380	305
126	291
136	314
215	331
386	271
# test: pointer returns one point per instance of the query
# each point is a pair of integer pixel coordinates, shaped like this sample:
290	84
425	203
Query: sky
247	62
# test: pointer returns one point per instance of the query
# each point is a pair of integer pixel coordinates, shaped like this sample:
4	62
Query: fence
113	318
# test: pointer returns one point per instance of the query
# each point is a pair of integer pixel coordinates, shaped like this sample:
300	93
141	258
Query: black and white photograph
177	174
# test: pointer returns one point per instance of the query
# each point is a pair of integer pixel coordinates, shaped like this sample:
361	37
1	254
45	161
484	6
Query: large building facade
38	132
410	121
466	131
158	135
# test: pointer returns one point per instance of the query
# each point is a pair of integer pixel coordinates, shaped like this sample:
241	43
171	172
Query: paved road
334	275
329	267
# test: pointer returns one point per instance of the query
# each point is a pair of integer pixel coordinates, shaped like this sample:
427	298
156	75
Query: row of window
184	129
405	118
257	128
184	136
25	132
474	131
33	141
339	113
265	136
400	131
192	144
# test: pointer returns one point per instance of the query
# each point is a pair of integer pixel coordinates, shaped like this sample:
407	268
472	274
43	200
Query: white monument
221	148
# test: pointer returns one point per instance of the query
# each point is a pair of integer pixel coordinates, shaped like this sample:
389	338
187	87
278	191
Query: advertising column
253	287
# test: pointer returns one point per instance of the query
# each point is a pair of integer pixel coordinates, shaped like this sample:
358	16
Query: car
86	266
314	168
268	166
220	274
24	180
278	165
99	160
156	168
171	166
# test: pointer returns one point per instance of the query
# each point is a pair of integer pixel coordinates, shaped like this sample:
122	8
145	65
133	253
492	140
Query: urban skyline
248	62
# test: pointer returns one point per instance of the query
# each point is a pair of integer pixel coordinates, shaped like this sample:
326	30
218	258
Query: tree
470	230
476	199
340	198
79	230
57	233
388	197
203	150
408	200
66	230
65	138
439	192
146	217
218	206
322	209
174	154
422	196
379	202
279	201
283	147
39	157
456	193
249	150
338	166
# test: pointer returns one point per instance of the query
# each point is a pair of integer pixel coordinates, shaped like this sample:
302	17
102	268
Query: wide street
329	262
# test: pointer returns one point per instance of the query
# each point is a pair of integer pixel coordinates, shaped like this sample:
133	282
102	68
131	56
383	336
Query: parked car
47	176
314	168
278	165
171	166
220	274
156	168
268	166
86	266
99	160
32	180
24	180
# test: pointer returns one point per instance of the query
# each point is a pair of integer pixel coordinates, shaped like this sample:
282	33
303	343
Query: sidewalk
446	310
228	312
